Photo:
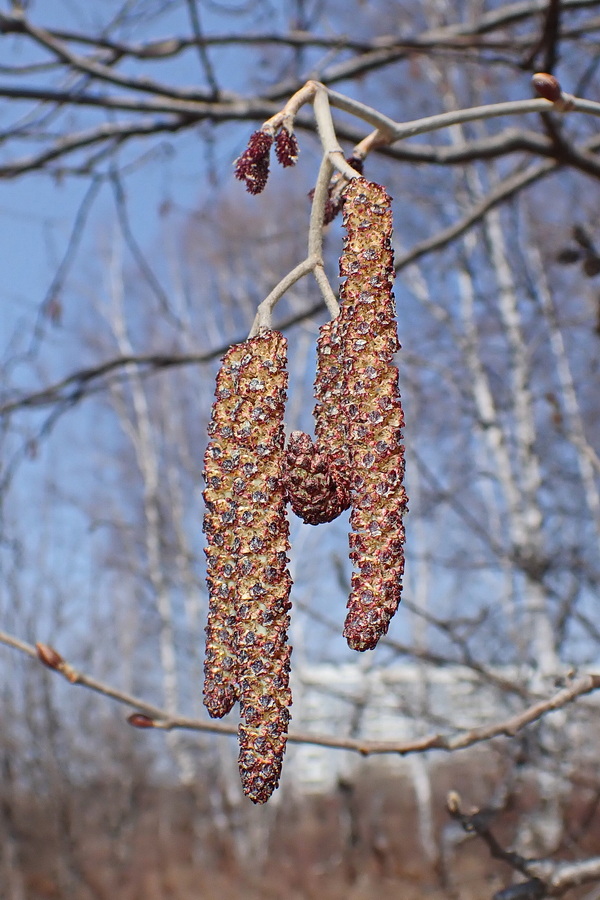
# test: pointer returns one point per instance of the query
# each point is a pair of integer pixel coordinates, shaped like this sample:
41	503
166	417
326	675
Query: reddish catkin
247	655
241	471
286	147
373	414
252	167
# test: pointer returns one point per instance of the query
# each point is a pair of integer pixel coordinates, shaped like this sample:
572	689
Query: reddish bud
335	200
286	148
547	86
357	163
49	657
139	720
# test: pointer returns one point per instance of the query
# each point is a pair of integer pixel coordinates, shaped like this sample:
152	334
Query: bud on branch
139	720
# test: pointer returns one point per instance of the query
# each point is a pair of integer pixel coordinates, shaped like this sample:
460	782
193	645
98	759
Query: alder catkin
330	392
252	167
286	147
247	656
317	472
373	414
243	495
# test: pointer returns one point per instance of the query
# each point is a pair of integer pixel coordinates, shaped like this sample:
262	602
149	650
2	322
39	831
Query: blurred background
131	260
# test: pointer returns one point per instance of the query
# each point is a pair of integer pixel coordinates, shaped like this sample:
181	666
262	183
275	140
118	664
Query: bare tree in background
132	114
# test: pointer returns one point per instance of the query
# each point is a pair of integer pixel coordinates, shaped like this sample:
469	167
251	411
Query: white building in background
401	703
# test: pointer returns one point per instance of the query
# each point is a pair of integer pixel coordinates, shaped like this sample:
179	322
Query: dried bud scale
252	167
373	414
247	656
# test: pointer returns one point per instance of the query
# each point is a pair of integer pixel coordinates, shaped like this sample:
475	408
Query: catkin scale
247	656
372	413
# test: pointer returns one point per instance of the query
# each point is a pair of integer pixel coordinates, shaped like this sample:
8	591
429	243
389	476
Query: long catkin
372	414
247	656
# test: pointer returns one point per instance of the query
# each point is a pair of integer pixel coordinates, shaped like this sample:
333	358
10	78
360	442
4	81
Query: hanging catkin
247	656
372	414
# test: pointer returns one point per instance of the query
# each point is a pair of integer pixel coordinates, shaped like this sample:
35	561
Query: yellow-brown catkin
242	474
263	612
330	394
373	414
247	656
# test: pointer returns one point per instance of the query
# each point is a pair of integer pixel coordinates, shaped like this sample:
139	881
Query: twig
546	877
264	312
19	24
80	384
201	45
315	234
460	740
313	262
135	249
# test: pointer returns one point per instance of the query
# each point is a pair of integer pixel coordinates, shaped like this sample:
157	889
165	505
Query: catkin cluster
247	657
356	460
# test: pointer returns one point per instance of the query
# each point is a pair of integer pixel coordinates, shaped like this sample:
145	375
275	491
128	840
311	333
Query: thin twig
135	249
264	312
546	877
458	740
78	385
200	41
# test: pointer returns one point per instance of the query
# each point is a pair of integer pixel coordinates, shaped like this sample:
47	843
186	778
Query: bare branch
75	387
546	877
460	740
200	41
19	24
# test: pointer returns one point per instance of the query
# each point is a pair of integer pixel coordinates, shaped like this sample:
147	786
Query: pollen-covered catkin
247	654
245	523
263	581
330	393
373	414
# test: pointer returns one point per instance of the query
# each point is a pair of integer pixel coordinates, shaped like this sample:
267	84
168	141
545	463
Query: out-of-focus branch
17	23
200	41
545	877
375	59
434	658
77	385
457	36
458	740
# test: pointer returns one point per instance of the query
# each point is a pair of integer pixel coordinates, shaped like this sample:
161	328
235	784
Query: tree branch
546	877
458	740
